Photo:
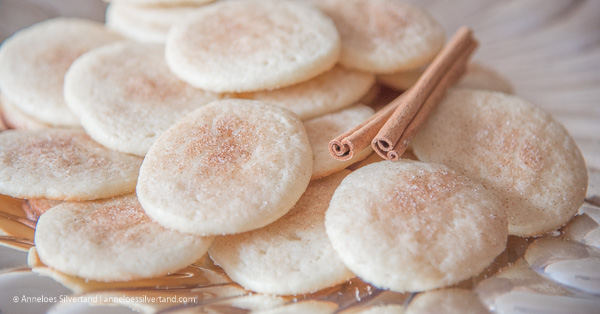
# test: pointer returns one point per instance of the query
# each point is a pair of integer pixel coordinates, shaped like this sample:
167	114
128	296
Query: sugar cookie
227	167
291	255
149	24
15	119
453	300
112	240
384	36
323	129
240	46
34	60
477	75
129	111
409	226
514	149
62	164
329	92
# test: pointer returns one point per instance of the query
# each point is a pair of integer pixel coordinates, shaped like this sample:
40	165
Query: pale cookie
323	129
331	91
112	240
33	63
514	149
15	119
409	226
289	256
240	46
148	24
477	75
63	164
231	166
451	300
384	36
374	157
129	111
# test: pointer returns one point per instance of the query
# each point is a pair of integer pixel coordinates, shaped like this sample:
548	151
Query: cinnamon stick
384	130
359	137
418	94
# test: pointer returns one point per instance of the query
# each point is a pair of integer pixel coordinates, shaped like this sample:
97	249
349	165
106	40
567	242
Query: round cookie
129	111
514	149
452	300
240	46
112	240
149	24
477	75
331	91
63	164
33	63
15	119
409	226
322	129
231	166
289	256
384	36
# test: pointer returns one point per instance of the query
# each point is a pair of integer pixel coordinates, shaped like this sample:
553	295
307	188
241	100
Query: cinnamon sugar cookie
452	300
329	92
231	166
34	60
291	255
62	164
477	75
322	129
149	24
409	226
112	240
384	36
129	111
514	149
15	119
240	46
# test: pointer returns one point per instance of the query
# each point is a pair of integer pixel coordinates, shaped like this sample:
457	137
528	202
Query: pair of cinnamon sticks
392	128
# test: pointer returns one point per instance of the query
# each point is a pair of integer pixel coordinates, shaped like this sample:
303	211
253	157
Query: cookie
514	149
63	164
453	300
477	75
331	91
148	24
384	36
129	111
15	119
241	46
112	240
323	129
231	166
33	63
409	226
291	255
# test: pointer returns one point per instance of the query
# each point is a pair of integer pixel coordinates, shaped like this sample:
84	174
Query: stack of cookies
186	127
